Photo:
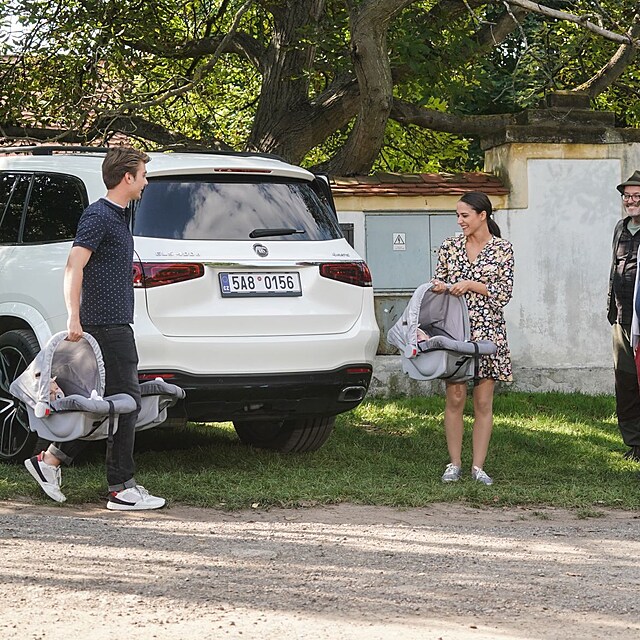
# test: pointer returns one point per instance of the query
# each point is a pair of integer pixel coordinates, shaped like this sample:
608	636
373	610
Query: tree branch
606	76
200	71
12	132
104	128
138	127
240	43
493	34
369	24
536	7
407	113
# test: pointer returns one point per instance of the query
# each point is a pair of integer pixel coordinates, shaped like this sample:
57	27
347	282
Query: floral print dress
494	268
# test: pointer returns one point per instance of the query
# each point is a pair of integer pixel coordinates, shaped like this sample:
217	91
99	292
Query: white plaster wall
562	246
630	160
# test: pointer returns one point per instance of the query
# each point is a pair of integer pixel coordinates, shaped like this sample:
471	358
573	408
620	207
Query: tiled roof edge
417	184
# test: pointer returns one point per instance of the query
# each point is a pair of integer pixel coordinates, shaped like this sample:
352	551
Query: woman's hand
437	286
461	287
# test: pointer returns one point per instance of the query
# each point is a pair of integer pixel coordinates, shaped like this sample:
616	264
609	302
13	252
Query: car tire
17	349
295	435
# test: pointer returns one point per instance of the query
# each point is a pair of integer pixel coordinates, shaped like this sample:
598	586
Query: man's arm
73	272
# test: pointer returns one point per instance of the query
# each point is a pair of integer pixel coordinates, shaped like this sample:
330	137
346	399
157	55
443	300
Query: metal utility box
402	253
402	248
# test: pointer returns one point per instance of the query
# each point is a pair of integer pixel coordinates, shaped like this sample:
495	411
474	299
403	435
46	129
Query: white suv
247	294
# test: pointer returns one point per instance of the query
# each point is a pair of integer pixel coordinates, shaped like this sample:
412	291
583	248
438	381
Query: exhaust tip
352	394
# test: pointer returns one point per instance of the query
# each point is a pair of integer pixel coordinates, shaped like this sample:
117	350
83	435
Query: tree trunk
285	85
369	24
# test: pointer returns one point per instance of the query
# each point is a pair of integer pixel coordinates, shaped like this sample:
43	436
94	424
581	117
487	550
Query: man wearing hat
626	239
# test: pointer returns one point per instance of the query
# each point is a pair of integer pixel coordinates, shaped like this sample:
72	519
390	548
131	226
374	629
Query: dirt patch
345	571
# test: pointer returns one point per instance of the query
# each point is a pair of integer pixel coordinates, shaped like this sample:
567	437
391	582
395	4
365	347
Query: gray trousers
626	385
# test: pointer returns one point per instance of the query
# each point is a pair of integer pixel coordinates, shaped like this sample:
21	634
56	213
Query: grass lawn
559	450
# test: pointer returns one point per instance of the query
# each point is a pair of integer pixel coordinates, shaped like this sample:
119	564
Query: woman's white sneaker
134	499
48	476
451	473
480	476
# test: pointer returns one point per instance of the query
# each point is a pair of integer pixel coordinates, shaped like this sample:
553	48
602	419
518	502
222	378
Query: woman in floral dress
479	265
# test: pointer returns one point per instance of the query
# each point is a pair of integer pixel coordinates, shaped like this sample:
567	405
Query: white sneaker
134	499
480	476
48	476
451	473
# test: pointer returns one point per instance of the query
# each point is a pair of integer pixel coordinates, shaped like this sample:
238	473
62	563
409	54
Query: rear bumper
270	396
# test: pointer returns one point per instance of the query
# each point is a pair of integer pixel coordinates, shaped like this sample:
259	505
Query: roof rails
241	154
49	150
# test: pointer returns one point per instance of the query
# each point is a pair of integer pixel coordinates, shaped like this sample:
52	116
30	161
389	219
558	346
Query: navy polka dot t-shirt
107	282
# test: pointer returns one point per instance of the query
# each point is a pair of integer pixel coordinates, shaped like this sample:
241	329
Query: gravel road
445	572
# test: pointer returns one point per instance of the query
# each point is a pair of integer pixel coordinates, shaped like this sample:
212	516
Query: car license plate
246	284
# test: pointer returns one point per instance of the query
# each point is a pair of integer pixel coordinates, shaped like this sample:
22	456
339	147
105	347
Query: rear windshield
199	208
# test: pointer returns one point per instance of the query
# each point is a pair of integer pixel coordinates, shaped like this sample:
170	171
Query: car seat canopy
78	368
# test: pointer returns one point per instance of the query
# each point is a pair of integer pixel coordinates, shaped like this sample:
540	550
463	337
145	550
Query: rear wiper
263	233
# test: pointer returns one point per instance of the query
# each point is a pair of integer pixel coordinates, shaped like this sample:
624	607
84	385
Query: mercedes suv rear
247	294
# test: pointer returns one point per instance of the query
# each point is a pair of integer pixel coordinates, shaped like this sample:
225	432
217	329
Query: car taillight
350	272
156	274
354	371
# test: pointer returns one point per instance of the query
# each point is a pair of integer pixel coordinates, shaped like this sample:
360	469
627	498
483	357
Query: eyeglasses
631	196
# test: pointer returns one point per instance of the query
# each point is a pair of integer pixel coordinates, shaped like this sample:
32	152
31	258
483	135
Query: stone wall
389	380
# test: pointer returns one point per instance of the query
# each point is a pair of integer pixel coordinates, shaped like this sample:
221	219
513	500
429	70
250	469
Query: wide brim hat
633	181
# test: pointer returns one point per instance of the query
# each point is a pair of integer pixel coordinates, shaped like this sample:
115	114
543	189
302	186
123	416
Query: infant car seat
81	411
447	353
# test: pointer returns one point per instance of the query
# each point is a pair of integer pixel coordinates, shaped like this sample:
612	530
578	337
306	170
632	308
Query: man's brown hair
120	161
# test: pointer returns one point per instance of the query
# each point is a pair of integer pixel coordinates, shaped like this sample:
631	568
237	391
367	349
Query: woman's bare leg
453	426
483	419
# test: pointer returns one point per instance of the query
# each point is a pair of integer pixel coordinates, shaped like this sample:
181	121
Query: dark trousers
626	384
121	370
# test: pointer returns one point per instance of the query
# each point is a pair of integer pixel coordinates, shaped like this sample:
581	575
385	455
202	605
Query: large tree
345	84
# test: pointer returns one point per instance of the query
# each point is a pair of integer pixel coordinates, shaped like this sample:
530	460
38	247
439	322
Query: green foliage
79	63
408	149
413	149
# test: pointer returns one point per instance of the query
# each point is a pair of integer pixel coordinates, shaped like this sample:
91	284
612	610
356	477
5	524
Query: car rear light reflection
157	274
144	377
356	273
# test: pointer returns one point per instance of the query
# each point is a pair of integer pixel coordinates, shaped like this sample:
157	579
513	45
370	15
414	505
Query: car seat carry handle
112	412
476	362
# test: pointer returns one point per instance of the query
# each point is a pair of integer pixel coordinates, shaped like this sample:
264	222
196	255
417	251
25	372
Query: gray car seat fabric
448	352
83	412
75	417
157	397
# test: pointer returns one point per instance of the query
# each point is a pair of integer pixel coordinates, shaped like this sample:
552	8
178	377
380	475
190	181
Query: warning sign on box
399	241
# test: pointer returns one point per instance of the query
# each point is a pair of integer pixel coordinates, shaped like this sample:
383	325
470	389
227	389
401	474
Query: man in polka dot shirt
98	290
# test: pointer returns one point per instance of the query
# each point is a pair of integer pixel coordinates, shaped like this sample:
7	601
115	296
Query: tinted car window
55	206
13	193
203	209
